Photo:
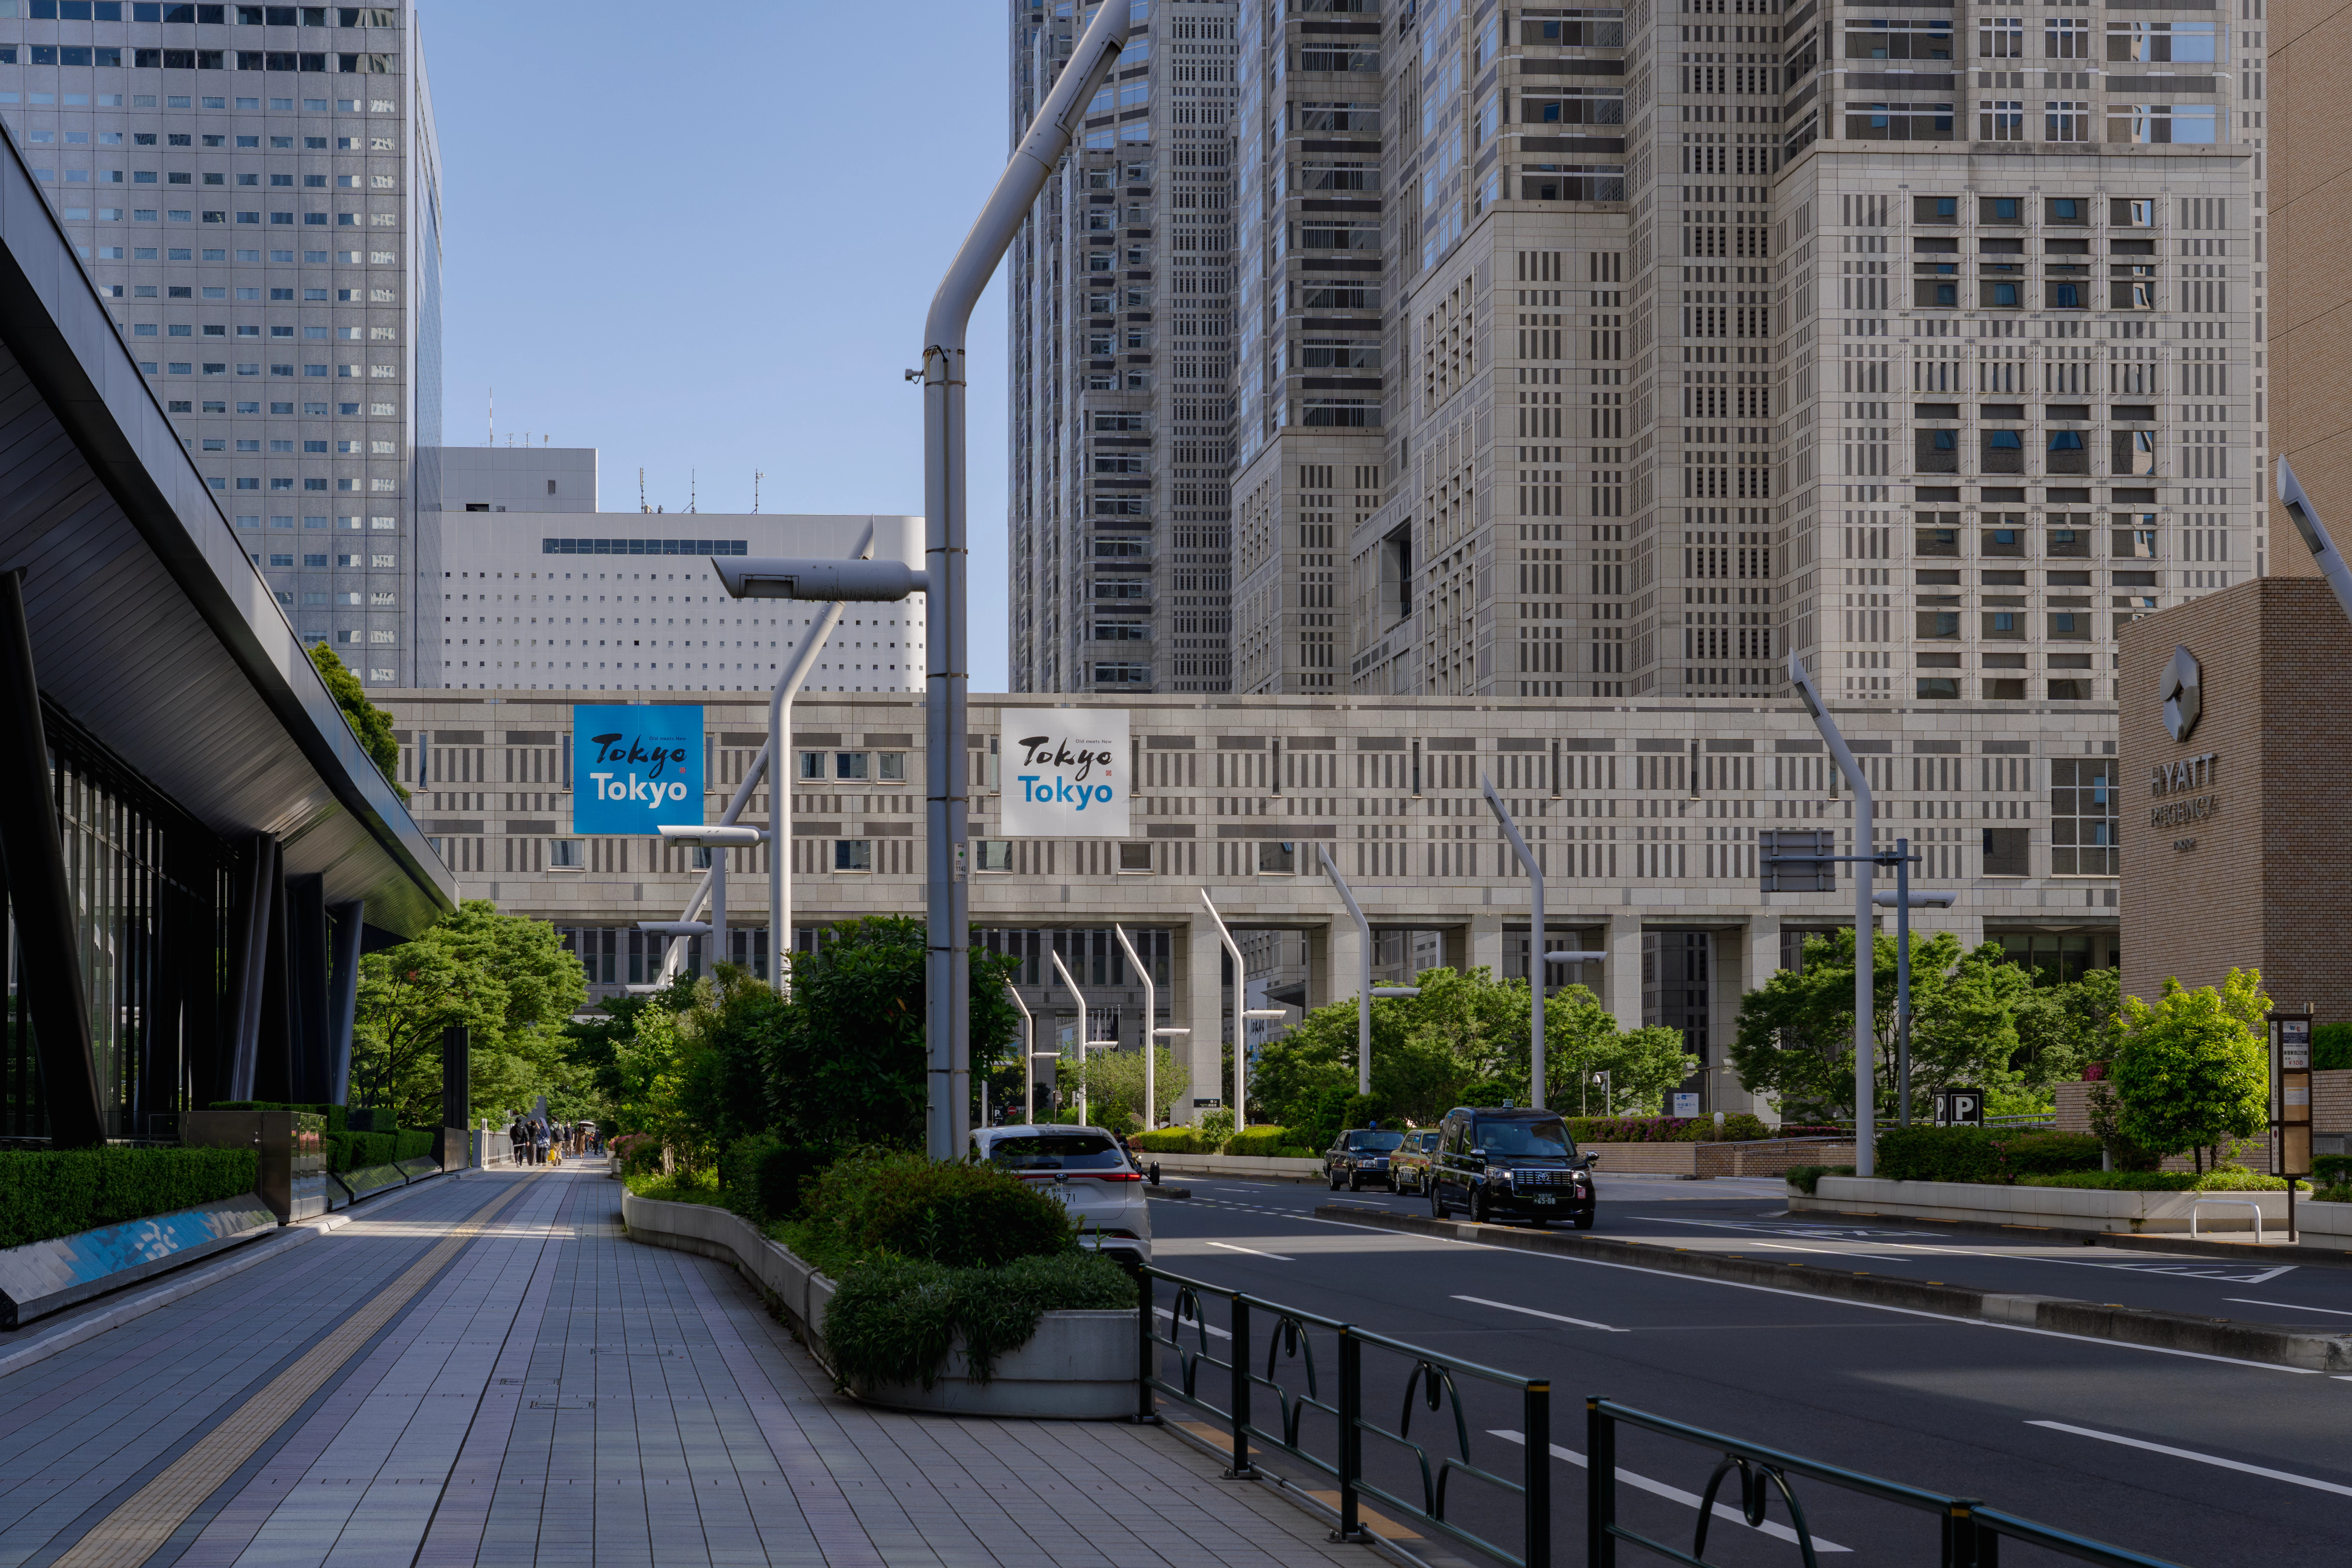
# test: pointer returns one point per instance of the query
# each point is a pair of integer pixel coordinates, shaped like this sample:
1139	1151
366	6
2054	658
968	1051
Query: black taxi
1509	1163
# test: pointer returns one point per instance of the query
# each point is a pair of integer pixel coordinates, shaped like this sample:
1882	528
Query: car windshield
1377	1142
1527	1138
1425	1140
1056	1152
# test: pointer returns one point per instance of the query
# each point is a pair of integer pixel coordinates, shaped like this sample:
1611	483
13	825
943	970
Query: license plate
1543	1198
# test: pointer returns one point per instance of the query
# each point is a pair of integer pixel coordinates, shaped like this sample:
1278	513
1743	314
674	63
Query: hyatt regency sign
1065	773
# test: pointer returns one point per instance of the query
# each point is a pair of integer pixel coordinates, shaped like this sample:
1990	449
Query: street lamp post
1536	934
1865	1075
718	839
1151	1030
1904	901
1241	1000
946	501
1365	989
1028	1055
1086	1024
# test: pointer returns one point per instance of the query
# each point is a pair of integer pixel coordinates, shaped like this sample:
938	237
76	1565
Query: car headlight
1500	1174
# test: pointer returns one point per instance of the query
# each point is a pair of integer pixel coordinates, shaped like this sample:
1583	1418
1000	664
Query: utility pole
1865	1047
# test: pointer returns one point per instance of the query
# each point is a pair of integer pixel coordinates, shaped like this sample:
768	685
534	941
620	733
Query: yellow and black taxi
1408	1166
1361	1155
1508	1162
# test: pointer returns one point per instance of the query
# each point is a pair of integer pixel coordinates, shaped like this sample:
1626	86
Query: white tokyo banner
1065	773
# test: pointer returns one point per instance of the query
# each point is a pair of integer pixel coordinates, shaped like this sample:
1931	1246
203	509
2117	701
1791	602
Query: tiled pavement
559	1394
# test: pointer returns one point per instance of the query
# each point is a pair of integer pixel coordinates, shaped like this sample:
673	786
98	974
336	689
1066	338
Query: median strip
2177	1334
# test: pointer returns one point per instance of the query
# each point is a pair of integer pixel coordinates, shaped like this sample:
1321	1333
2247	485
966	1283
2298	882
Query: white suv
1086	1170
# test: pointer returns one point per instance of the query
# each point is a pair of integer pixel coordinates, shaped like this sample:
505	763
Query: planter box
1699	1162
2076	1208
1279	1168
370	1180
1078	1366
47	1276
292	1178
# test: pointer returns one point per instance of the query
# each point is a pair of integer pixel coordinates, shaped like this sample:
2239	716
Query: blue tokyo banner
634	769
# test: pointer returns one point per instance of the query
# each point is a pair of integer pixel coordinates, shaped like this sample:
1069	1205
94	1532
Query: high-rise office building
1122	338
256	193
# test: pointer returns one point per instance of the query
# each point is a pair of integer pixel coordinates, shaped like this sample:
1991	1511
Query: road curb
2091	1320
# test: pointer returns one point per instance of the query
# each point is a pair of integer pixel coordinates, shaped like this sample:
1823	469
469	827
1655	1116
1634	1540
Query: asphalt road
2196	1459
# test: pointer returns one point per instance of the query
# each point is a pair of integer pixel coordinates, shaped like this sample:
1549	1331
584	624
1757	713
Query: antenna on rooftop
641	491
689	489
756	477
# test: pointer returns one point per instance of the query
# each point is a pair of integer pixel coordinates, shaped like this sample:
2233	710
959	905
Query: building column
1621	976
1760	960
1483	936
1199	958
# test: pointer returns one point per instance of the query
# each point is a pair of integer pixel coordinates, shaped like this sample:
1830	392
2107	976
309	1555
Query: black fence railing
1419	1478
1969	1533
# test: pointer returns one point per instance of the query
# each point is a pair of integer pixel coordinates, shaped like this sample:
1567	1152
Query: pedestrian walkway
488	1372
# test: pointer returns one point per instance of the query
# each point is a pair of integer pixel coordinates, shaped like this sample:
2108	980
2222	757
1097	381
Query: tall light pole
1241	1001
1086	1026
1151	1030
946	501
1903	901
2300	512
1535	936
719	840
1364	989
1865	1046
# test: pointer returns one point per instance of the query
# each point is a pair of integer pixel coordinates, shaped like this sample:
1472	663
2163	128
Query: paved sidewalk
492	1374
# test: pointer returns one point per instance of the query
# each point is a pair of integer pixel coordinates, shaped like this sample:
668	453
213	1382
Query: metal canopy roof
150	626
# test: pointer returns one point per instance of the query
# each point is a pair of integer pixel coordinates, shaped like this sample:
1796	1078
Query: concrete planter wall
2075	1208
1280	1168
1078	1365
1752	1157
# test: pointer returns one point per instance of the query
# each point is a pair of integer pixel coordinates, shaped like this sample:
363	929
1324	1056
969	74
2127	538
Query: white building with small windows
531	587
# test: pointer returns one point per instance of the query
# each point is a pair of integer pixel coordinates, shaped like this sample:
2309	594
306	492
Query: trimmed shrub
764	1174
962	1216
46	1193
337	1116
893	1320
1273	1142
1174	1140
1665	1129
2229	1179
2331	1045
2332	1169
1981	1154
1806	1178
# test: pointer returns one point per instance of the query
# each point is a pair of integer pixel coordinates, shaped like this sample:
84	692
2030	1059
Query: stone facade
1644	817
2226	866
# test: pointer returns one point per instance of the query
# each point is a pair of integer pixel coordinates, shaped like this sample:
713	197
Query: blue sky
703	239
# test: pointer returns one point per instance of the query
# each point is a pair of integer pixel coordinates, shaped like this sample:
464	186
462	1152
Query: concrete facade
1646	817
2230	835
2311	221
258	204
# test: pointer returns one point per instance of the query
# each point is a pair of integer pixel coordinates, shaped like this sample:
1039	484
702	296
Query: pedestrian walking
519	1136
538	1141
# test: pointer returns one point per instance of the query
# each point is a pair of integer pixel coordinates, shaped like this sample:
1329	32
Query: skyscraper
1121	323
255	192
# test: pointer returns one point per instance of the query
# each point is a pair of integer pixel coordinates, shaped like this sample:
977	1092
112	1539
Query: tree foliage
1463	1040
370	724
507	979
2193	1071
1114	1085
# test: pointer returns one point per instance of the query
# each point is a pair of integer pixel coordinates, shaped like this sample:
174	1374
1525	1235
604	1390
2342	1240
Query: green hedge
1274	1142
1981	1154
764	1175
1175	1141
338	1116
1739	1127
2331	1045
2332	1169
880	1202
2229	1180
1807	1178
357	1151
893	1320
53	1192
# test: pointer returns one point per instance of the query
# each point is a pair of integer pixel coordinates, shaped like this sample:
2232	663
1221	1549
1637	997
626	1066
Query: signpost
1959	1107
2291	1102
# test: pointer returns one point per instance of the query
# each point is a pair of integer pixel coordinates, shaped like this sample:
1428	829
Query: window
564	855
2134	542
2001	210
2154	42
1898	122
994	855
1135	857
1937	541
2065	297
2134	451
811	766
2001	38
2001	120
2155	125
853	854
1276	857
1998	296
1901	39
849	765
2003	541
1938	688
2005	850
2065	39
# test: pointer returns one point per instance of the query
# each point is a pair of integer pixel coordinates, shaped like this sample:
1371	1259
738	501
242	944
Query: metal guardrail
1432	1379
1971	1532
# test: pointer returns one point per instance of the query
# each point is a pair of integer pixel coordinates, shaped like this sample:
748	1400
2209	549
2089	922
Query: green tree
370	724
507	980
2194	1070
1115	1087
1795	1036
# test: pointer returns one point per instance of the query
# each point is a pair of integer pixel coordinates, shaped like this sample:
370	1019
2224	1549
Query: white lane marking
1809	1296
1673	1494
2290	1306
1555	1316
1253	1251
2214	1459
2184	1268
1189	1326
